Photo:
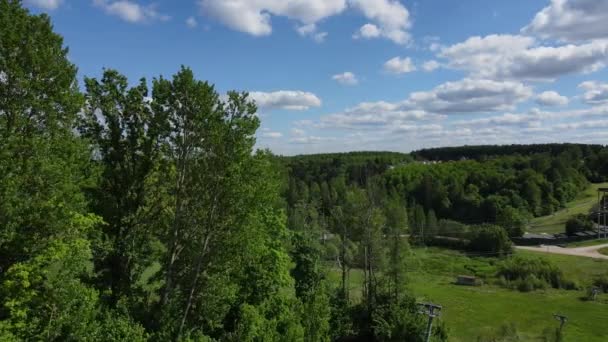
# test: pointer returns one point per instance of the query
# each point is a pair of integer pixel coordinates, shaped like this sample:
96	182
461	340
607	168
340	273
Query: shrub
601	281
530	283
490	239
578	223
452	229
528	274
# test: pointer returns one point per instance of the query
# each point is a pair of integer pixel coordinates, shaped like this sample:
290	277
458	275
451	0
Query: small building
466	280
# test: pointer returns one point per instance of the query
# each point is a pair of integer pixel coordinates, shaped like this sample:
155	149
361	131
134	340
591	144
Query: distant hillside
488	151
356	167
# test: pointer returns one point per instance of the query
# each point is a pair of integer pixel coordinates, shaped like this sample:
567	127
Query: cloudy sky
343	75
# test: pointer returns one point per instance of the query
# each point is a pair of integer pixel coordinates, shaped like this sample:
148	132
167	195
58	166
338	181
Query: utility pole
602	212
599	210
562	320
429	310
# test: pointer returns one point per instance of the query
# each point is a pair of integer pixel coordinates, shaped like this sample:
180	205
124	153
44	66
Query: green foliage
578	223
158	221
601	281
483	152
506	190
341	321
398	248
316	315
399	320
490	240
512	220
273	320
47	297
125	133
43	165
418	222
527	274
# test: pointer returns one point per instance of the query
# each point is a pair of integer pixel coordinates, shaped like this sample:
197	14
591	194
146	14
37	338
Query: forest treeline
593	156
141	211
506	190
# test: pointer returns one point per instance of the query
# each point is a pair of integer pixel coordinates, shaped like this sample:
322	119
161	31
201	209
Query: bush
601	281
578	223
530	283
448	242
491	240
527	274
453	229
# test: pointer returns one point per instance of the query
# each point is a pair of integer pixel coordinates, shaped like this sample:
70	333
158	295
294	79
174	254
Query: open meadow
469	311
556	222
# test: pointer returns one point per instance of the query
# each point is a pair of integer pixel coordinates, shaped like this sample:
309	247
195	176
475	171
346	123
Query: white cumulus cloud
551	98
131	11
310	30
346	78
254	16
285	99
471	96
595	92
571	20
518	57
45	4
398	65
368	31
391	20
431	65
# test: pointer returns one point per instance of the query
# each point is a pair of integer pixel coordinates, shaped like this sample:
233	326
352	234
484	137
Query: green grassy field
603	250
469	311
580	269
587	243
555	223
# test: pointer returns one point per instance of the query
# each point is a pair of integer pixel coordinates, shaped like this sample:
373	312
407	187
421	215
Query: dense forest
595	157
141	211
506	189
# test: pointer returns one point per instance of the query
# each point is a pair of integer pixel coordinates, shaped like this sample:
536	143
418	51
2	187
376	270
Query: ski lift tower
602	212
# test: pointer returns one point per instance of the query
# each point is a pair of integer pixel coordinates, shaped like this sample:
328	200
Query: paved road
589	251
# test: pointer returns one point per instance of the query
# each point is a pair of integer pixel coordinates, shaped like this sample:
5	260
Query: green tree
578	223
226	260
368	222
396	222
418	222
432	225
45	252
490	240
513	220
125	132
310	286
44	166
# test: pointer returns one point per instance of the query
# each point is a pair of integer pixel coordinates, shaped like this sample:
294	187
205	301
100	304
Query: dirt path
589	251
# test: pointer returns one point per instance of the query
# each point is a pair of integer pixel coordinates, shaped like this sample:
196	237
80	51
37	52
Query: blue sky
343	75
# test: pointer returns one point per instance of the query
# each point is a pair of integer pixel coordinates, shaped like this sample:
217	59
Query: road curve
589	251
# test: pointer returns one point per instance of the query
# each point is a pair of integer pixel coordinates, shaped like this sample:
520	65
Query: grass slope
556	222
469	311
587	243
